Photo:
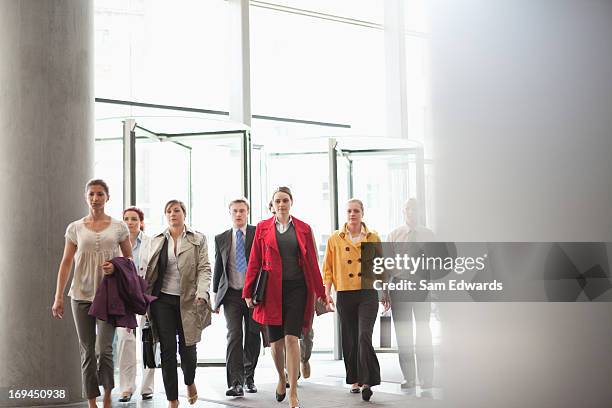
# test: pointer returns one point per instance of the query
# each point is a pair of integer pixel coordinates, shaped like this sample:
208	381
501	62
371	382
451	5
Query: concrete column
239	61
46	156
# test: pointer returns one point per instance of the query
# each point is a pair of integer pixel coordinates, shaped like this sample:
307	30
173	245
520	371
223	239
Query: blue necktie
241	264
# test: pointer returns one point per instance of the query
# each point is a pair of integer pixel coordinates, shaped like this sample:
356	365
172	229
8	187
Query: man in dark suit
232	249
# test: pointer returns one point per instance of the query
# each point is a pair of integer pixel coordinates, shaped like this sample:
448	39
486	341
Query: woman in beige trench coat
179	275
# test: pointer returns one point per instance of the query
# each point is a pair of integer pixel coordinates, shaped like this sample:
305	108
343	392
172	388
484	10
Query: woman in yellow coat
357	301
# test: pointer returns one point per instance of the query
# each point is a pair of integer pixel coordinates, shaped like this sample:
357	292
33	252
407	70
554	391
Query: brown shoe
306	369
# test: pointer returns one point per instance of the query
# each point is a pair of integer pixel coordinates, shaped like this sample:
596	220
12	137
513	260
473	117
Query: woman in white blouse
91	242
126	338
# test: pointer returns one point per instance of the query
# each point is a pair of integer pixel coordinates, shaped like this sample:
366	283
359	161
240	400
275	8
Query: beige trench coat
194	268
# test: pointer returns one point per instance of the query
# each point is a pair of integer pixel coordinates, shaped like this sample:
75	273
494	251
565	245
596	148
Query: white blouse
172	276
93	249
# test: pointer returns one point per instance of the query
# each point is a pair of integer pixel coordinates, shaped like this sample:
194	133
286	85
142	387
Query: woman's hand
329	303
58	309
386	302
108	268
249	302
200	301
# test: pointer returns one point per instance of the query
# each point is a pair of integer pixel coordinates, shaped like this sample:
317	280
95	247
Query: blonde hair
242	200
358	201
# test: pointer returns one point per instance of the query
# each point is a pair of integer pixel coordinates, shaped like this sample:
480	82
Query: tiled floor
325	388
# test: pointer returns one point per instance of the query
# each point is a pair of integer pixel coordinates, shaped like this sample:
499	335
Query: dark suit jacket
223	246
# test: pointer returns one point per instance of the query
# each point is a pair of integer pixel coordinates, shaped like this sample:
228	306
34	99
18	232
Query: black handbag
150	356
320	307
259	292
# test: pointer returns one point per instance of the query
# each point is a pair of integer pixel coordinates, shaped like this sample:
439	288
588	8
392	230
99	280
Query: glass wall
162	52
108	166
318	70
362	10
327	66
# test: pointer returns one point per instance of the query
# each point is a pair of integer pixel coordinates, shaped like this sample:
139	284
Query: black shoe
146	397
125	398
366	393
287	385
251	388
235	391
280	397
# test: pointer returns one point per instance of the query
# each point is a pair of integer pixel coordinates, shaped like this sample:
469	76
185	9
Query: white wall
522	123
522	119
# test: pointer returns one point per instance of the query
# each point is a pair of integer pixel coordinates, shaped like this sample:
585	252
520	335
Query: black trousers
166	315
409	345
357	310
241	360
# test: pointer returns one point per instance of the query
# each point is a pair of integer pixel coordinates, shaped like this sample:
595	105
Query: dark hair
242	200
140	215
97	182
281	189
173	202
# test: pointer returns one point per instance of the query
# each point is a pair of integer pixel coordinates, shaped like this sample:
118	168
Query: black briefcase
150	356
259	292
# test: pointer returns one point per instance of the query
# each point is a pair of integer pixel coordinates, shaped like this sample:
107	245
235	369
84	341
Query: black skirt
294	305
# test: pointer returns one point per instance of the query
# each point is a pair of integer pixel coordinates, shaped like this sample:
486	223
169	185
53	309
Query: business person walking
232	249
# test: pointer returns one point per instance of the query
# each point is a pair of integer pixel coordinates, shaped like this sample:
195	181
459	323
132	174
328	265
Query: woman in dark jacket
284	246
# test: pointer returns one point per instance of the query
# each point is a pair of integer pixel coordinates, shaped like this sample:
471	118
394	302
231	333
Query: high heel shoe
280	397
366	393
125	398
191	399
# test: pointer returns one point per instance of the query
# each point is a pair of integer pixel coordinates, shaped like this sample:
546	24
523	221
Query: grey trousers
96	370
409	345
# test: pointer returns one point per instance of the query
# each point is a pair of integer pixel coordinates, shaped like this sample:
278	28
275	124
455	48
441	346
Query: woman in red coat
284	246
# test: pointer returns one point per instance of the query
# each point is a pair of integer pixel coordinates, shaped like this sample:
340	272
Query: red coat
264	253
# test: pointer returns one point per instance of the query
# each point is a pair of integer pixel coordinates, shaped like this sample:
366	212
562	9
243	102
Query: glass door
217	177
163	173
206	171
383	178
303	166
174	158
